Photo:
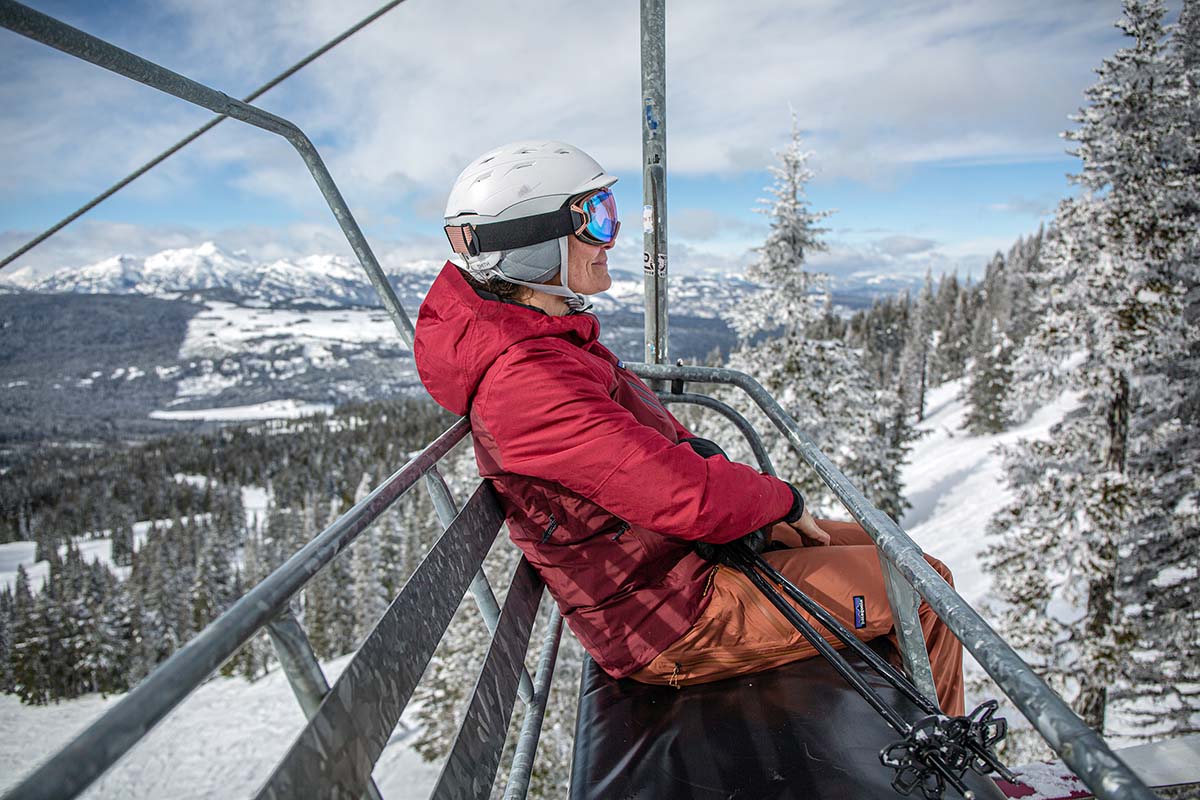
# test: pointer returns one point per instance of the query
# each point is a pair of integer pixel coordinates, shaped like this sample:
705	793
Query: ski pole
896	678
937	748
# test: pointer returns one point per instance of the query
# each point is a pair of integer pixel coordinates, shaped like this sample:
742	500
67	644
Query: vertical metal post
905	601
654	176
531	728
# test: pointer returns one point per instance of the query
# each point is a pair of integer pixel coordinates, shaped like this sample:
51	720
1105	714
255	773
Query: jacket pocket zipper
551	528
620	531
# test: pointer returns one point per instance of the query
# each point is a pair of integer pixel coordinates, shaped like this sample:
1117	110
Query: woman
601	489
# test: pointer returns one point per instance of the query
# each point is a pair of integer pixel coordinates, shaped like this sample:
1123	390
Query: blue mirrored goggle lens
601	209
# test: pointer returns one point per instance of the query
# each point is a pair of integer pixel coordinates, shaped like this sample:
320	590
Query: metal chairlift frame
350	723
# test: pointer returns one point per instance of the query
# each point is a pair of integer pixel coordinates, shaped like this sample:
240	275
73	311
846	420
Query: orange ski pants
740	632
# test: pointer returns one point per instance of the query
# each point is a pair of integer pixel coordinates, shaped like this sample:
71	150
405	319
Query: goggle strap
496	236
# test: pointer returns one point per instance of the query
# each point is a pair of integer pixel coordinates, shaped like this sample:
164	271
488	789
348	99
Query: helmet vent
483	177
516	167
563	152
486	160
526	150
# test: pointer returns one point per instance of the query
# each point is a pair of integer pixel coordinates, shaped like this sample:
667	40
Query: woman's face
588	266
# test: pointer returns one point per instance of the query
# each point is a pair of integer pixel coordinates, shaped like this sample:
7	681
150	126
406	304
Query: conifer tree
918	347
1086	502
821	382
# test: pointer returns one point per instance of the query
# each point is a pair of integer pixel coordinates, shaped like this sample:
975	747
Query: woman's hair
497	286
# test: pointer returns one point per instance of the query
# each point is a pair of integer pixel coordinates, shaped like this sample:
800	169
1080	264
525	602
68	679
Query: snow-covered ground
225	328
255	500
224	740
272	409
955	483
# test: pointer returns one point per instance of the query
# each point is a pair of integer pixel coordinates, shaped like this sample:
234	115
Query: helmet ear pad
536	263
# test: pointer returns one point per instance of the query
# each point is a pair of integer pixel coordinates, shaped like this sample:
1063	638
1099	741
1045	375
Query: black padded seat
798	731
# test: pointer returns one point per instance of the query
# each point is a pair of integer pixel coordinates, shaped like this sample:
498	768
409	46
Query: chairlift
796	731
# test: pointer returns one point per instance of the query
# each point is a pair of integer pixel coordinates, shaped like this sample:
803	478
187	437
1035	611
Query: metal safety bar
901	597
1081	748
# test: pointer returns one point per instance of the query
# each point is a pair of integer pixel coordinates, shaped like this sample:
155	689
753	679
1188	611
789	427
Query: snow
225	328
92	548
222	742
955	483
272	409
1172	576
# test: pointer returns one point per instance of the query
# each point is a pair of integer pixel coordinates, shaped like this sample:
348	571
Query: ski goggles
590	217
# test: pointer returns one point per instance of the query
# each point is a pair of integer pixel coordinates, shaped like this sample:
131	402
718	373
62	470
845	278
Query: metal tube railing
654	176
87	757
901	597
741	423
1081	748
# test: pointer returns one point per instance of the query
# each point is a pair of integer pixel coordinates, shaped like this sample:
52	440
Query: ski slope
223	741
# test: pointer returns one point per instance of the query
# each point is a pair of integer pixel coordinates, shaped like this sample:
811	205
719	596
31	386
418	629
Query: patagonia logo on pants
860	611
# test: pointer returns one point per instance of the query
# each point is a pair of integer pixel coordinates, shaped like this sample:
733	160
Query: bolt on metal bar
90	754
1081	748
654	176
531	727
303	671
194	135
741	423
53	33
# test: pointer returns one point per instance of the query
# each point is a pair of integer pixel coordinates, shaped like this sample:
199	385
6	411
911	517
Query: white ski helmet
519	181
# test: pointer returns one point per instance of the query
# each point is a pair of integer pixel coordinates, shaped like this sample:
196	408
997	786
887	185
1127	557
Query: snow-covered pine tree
1158	579
918	350
950	360
821	383
1086	501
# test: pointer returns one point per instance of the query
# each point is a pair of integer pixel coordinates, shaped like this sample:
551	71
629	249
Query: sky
934	125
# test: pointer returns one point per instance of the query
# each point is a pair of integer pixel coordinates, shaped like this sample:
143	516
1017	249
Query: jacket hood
460	335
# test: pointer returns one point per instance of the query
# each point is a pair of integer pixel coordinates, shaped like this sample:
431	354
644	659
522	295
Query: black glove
720	553
723	553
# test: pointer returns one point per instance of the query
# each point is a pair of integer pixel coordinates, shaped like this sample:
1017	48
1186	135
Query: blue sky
934	126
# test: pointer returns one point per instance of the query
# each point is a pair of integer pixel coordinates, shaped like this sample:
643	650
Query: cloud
398	109
703	224
909	82
905	245
1026	206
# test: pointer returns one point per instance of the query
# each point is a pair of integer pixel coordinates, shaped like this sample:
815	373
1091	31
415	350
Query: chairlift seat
797	731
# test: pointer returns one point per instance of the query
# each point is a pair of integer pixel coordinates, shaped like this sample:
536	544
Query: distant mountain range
140	346
334	281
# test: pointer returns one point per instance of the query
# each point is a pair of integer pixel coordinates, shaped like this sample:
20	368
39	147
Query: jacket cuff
797	509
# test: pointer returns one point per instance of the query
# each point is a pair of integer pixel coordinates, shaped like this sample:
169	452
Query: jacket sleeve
552	418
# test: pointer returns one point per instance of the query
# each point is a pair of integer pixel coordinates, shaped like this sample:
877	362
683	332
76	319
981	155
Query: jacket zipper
551	528
620	531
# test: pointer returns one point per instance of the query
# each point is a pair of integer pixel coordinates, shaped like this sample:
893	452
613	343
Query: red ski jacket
599	492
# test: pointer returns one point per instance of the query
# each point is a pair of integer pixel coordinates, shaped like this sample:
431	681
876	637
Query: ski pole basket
350	723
